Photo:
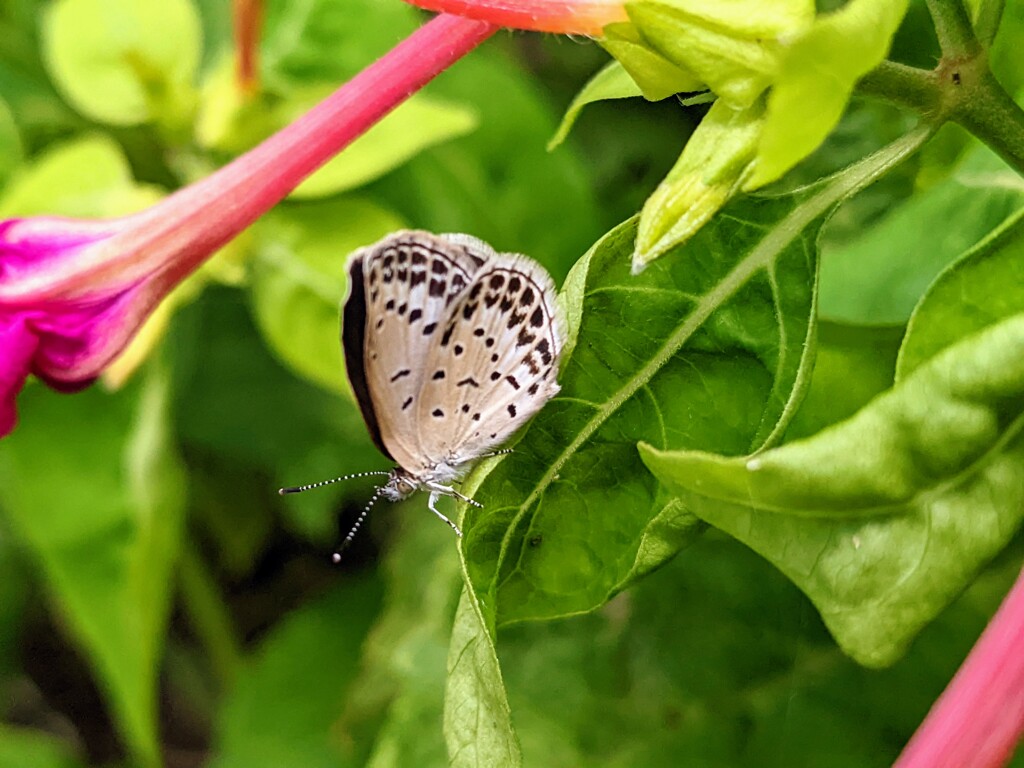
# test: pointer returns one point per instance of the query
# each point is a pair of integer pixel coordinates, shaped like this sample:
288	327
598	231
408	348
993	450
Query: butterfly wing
401	289
494	363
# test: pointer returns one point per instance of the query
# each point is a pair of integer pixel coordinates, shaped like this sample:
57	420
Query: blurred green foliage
160	604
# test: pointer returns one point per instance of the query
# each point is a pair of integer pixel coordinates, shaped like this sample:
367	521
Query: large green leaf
125	62
983	287
282	710
709	350
94	490
883	519
299	281
718	661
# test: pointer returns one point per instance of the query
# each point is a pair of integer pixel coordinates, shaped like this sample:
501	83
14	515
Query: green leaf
611	82
419	123
477	718
713	165
732	47
106	535
10	143
708	348
852	364
982	288
284	706
34	749
878	278
85	178
883	519
718	660
124	62
816	77
299	281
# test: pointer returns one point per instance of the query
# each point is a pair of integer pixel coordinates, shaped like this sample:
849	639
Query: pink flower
73	293
979	719
584	17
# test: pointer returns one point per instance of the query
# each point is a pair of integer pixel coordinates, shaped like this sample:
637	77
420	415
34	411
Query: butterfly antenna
322	483
336	557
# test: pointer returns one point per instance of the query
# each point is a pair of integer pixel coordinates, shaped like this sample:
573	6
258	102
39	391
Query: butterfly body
450	348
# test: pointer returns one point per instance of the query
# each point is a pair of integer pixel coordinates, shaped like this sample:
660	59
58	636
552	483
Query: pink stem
584	17
185	228
979	718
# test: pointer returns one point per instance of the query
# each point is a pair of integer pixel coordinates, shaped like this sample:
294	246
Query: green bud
714	164
657	77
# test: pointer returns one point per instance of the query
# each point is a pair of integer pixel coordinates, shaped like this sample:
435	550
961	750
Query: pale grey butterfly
450	348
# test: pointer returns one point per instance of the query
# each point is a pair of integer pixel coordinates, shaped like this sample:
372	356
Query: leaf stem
961	90
954	30
986	25
905	86
979	718
209	618
989	113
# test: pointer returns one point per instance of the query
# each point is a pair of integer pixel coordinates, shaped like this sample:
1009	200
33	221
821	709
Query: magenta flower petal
17	346
37	246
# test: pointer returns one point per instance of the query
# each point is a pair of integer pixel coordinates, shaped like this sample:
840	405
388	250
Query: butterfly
450	348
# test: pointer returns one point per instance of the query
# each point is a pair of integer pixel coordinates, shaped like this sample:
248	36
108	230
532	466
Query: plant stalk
954	30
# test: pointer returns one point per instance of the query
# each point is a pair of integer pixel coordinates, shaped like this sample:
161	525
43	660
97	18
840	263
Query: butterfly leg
432	506
501	452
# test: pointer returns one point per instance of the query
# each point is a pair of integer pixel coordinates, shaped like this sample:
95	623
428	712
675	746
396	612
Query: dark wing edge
353	335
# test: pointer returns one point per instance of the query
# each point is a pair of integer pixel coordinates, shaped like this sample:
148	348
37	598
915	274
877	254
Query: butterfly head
400	485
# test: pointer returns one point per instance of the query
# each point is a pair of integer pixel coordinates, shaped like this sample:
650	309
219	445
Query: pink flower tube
583	17
73	293
979	719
